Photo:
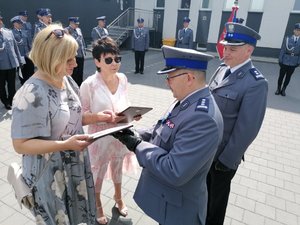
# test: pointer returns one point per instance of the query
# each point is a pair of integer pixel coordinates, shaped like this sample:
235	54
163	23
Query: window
297	6
185	4
257	5
206	4
160	3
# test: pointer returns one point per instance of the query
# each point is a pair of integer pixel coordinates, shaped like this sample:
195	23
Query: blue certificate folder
108	131
131	112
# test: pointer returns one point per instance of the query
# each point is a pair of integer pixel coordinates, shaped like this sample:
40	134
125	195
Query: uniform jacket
77	35
28	28
172	187
140	39
9	53
98	33
23	41
290	52
242	99
185	38
38	27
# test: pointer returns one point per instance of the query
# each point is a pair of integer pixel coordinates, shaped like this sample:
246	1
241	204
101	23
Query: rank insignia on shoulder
256	74
202	105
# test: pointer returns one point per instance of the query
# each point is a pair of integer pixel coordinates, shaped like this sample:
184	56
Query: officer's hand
221	167
128	138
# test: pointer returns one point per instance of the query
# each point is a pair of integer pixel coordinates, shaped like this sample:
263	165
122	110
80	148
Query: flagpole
232	18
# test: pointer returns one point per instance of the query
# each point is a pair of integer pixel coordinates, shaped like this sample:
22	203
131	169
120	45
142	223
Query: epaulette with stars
256	74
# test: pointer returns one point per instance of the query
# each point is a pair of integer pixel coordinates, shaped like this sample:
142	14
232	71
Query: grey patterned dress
62	182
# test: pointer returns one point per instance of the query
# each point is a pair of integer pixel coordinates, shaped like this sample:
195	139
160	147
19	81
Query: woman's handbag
22	192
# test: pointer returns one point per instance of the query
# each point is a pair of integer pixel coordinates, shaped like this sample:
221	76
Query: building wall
274	22
61	10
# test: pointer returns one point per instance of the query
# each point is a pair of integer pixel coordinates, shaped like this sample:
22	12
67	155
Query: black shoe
141	72
8	106
283	92
136	72
277	92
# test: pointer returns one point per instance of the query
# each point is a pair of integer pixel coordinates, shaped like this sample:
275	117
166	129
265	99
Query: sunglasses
109	60
59	33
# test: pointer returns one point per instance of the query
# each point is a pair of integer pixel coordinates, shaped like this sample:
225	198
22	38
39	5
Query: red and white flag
232	18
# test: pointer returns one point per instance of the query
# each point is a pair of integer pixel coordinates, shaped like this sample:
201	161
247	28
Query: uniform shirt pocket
163	133
226	99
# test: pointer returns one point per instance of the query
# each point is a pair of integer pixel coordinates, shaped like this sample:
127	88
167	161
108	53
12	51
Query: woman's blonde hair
49	51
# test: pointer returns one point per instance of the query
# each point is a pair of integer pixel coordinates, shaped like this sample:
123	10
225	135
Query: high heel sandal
101	218
122	210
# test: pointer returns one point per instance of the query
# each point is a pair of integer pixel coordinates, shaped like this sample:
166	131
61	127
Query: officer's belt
291	54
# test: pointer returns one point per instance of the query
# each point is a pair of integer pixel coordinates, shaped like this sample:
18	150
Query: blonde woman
47	131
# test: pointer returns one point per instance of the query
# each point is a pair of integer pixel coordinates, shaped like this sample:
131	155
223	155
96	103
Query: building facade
273	19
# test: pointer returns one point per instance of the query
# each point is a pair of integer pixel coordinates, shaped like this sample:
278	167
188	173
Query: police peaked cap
74	19
186	19
101	18
238	34
16	19
181	58
23	13
140	20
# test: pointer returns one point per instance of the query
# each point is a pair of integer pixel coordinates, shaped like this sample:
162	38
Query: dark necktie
177	104
227	73
296	39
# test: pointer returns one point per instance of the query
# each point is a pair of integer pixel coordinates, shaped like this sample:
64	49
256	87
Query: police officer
240	91
45	19
99	31
185	35
24	45
10	59
75	31
289	59
140	44
26	25
177	154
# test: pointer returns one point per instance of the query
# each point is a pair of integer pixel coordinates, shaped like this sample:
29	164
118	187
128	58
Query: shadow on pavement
116	219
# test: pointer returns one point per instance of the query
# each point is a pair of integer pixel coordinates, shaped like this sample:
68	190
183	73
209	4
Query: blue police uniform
27	26
140	44
24	45
176	155
99	32
76	33
40	25
185	36
241	94
289	59
10	59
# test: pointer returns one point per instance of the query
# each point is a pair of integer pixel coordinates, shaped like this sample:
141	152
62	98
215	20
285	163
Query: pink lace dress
109	157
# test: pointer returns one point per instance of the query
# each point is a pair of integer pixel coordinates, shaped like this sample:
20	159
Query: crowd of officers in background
15	44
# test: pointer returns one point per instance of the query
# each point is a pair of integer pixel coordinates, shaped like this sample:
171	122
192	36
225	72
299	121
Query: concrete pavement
266	188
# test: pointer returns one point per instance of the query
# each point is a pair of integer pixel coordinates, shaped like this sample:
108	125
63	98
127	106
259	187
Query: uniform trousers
218	187
139	61
77	74
287	72
7	77
27	70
